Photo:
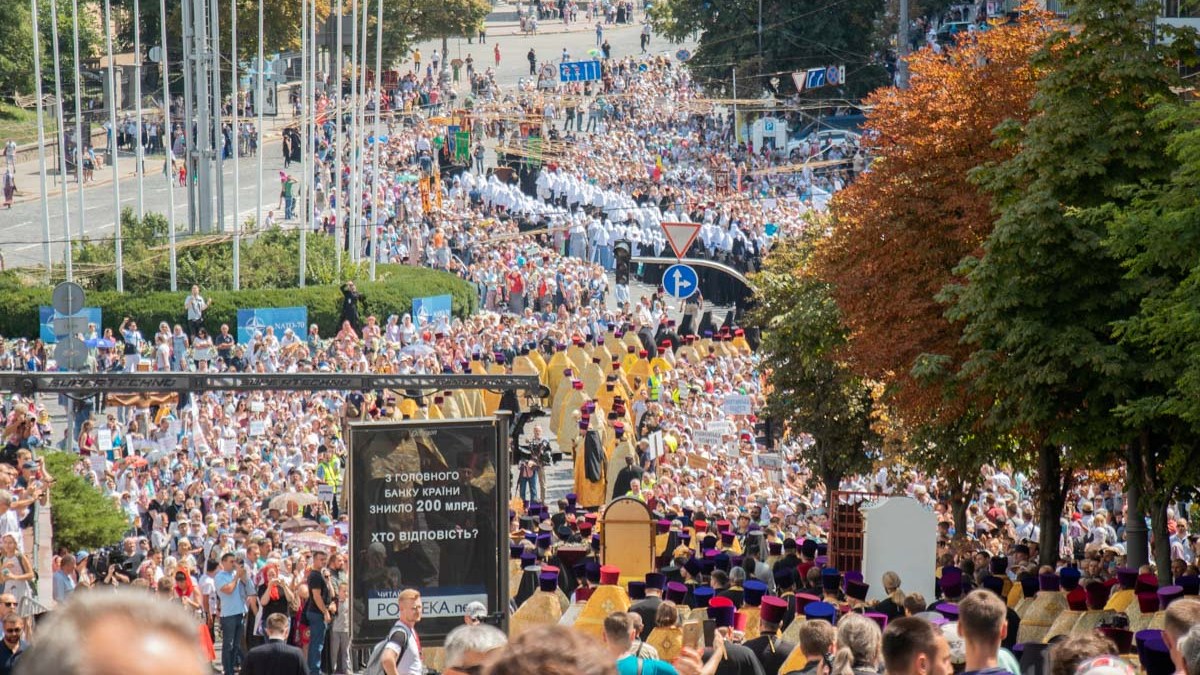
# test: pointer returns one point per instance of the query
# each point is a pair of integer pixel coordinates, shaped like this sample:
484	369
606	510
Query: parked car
825	138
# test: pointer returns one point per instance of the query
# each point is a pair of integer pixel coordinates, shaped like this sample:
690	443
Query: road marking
13	226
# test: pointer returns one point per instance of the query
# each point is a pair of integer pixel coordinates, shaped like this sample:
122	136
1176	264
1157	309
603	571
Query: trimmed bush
83	518
392	293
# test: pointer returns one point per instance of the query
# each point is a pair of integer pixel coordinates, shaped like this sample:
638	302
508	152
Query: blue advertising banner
281	318
431	310
47	315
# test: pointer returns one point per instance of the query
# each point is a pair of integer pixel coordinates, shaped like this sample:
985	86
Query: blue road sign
680	281
579	71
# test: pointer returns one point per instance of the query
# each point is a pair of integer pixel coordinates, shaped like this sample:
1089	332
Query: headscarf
274	589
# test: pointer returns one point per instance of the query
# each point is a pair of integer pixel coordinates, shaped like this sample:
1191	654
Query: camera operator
113	576
351	299
539	457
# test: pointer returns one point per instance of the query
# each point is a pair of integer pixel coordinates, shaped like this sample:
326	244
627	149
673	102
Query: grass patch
20	125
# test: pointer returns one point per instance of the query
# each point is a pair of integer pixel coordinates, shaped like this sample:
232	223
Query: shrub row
392	293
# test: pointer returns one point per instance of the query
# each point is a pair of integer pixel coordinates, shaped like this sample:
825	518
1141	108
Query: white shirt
410	661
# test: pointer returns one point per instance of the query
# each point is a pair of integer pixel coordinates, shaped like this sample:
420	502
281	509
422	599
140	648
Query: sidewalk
29	179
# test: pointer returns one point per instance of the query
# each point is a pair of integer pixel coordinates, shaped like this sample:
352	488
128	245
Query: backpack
374	665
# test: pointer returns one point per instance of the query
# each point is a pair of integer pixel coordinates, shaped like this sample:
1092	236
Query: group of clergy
708	572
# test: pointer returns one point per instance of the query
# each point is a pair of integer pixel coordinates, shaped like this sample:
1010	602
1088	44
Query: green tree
83	518
16	59
813	390
1156	236
282	23
796	34
1040	302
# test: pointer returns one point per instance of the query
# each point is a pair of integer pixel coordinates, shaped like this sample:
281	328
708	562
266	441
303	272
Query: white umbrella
300	499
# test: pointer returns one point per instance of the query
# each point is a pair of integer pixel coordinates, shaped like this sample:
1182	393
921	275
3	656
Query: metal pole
62	142
310	135
165	133
902	45
41	129
302	127
258	111
78	116
189	138
357	236
112	123
237	176
335	187
735	117
375	168
217	98
137	94
203	144
760	65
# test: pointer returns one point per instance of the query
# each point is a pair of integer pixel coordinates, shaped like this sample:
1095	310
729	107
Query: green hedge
392	293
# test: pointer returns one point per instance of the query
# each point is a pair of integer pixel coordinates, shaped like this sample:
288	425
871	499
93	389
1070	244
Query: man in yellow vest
329	472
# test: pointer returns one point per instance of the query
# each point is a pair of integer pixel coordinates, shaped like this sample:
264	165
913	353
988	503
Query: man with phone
231	592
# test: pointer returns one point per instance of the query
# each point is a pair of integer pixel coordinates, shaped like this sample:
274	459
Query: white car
825	139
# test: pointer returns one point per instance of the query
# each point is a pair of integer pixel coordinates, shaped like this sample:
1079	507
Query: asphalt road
21	228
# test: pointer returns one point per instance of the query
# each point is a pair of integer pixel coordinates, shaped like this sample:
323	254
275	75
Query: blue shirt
64	586
629	666
232	604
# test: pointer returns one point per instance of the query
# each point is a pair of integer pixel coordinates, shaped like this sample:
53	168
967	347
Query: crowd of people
235	500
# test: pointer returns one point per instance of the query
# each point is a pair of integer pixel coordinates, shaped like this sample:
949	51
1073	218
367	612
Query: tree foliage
83	518
797	34
1155	237
1040	302
16	56
900	230
282	23
813	390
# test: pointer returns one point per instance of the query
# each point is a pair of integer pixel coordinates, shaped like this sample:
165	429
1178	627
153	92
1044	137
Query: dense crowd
235	503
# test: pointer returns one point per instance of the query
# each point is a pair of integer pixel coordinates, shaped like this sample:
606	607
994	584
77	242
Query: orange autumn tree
900	229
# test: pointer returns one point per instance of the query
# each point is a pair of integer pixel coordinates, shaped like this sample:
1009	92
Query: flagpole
137	94
335	187
258	111
237	176
375	168
217	98
362	135
41	129
301	127
62	142
112	123
353	193
78	117
166	133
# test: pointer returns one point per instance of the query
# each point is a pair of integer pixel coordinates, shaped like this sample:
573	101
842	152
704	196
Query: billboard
433	310
426	499
47	315
250	321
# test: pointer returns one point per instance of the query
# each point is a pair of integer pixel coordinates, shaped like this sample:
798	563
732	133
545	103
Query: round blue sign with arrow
680	281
